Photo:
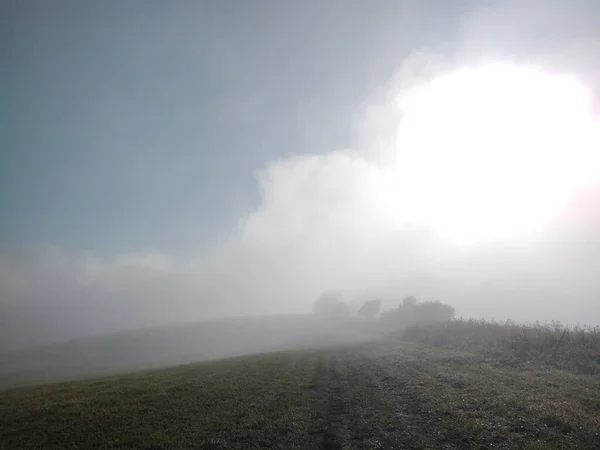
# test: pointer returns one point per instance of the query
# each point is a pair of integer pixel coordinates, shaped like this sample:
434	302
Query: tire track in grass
335	430
379	420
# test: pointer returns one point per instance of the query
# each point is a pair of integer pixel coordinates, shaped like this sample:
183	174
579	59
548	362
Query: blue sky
134	126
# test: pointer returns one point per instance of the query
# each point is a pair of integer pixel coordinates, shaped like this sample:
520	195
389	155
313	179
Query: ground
379	395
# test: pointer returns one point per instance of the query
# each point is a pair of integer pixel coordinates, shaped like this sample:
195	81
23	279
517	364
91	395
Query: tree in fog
331	304
433	312
409	301
411	312
370	309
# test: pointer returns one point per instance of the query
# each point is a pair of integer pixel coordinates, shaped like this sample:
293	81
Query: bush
412	312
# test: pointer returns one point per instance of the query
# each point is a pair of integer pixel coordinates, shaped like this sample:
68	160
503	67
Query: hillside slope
371	396
176	344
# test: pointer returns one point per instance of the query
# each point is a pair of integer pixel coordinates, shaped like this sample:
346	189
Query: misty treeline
409	311
433	323
555	344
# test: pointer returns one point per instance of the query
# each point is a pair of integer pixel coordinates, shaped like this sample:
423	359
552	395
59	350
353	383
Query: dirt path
336	431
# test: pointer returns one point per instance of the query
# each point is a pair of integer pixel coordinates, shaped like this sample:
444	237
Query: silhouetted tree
411	312
409	301
331	304
433	312
370	309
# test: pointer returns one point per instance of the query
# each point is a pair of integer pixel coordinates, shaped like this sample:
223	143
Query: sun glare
494	152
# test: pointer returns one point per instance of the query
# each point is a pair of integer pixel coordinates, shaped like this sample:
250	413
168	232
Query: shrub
411	312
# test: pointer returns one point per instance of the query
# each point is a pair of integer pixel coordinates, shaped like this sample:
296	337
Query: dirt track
335	435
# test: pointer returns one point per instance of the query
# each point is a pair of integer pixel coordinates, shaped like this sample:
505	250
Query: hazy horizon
181	162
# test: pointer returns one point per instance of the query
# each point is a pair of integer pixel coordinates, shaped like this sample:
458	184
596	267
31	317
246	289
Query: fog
332	221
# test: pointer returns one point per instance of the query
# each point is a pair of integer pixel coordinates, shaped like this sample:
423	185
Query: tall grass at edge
567	347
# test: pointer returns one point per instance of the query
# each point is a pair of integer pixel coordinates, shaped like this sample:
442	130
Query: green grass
552	344
244	401
379	395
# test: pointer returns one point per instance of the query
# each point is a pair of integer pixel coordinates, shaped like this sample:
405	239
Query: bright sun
494	152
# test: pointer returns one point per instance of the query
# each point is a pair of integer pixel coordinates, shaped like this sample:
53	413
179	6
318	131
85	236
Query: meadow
565	347
456	385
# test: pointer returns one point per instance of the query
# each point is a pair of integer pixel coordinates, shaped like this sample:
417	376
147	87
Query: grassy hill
176	344
378	395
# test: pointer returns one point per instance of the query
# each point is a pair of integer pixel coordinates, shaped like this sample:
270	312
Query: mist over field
330	212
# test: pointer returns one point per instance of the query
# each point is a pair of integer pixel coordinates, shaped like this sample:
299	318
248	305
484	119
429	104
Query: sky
171	161
137	127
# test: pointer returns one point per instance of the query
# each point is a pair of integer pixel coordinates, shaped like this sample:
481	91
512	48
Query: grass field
387	394
570	348
175	345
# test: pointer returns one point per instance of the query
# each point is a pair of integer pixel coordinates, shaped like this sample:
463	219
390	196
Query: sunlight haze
493	151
